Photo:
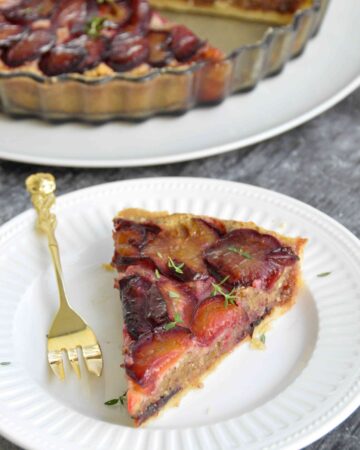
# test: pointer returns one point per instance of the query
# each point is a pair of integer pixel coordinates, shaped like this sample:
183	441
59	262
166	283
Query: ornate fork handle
41	187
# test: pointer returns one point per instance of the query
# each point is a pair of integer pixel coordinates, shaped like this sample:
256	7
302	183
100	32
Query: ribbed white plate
304	384
327	72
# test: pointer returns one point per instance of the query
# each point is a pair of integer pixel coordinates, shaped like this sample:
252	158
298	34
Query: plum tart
102	59
192	288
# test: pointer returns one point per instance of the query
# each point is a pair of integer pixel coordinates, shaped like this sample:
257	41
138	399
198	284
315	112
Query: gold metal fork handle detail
41	187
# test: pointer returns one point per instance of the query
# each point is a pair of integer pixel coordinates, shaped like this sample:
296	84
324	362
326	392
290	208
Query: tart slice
192	288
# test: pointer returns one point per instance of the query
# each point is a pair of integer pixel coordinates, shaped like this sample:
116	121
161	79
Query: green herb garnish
176	267
115	401
94	26
159	255
240	251
262	338
170	325
324	274
174	294
228	296
157	274
5	363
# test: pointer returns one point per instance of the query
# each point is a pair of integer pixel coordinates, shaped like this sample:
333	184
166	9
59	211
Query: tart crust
230	9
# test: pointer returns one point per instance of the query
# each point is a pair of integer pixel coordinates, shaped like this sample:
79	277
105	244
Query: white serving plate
327	72
305	383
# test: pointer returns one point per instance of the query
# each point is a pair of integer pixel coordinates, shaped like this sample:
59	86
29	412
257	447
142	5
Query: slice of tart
192	288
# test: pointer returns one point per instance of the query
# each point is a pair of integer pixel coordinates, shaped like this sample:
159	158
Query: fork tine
74	361
56	363
93	359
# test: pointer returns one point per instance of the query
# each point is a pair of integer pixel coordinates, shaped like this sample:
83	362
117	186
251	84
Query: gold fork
68	331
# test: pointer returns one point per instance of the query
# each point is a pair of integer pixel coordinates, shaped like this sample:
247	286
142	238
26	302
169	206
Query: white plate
327	72
304	384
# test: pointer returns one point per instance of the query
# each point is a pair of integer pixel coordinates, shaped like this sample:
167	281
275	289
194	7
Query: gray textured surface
318	163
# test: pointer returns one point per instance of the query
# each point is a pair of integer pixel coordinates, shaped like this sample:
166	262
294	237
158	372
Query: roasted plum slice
180	299
141	15
153	353
10	33
30	10
64	58
29	48
127	51
212	317
72	14
160	53
177	251
95	48
143	305
130	237
246	258
184	43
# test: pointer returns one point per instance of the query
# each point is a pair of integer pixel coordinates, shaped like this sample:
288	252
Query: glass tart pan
260	51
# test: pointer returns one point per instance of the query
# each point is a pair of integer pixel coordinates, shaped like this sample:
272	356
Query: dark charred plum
64	58
177	251
249	258
72	14
184	43
127	51
153	353
160	53
30	10
29	48
140	18
143	305
212	318
10	33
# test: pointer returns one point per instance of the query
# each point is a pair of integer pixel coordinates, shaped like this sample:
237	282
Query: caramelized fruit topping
248	258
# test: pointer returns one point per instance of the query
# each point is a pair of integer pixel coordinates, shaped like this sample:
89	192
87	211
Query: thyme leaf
94	26
170	325
115	401
323	274
240	251
176	267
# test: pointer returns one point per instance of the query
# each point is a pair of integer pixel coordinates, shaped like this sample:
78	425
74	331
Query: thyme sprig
94	26
229	297
115	401
174	266
170	325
